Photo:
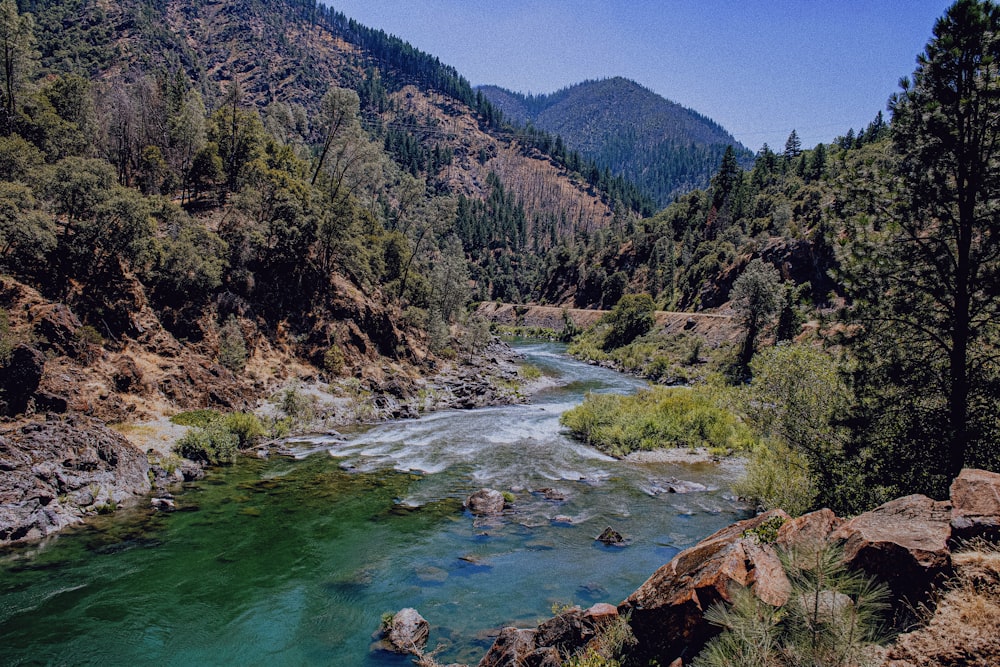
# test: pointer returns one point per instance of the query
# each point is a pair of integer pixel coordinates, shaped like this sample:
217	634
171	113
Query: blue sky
760	68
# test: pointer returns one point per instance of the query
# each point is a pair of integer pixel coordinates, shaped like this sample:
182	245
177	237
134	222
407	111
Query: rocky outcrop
58	327
667	611
975	499
55	472
903	543
19	379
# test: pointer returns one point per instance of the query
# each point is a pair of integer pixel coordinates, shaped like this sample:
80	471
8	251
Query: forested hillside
247	183
662	147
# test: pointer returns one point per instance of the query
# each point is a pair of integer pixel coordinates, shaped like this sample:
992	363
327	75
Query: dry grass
965	626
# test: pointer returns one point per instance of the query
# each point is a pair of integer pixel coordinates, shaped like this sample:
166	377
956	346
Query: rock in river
488	502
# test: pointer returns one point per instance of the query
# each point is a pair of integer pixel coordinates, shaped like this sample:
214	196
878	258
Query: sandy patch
154	435
674	455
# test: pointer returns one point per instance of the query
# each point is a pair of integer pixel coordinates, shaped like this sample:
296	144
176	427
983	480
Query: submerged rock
488	502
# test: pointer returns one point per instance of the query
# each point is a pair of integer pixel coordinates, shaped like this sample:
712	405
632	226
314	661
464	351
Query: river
294	561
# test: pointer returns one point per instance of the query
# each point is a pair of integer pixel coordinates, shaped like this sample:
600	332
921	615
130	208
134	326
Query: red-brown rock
511	649
667	611
975	499
600	614
903	543
809	529
56	324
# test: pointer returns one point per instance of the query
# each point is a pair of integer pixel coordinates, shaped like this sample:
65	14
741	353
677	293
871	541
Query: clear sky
760	68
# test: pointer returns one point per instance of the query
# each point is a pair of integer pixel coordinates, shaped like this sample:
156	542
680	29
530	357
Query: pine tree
17	41
928	294
793	146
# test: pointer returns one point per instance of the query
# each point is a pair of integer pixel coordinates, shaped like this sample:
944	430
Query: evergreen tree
17	41
929	294
793	146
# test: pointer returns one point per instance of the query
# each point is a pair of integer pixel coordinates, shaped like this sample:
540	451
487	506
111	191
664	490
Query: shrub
213	444
232	346
296	404
656	418
7	340
333	359
631	317
776	476
831	617
246	426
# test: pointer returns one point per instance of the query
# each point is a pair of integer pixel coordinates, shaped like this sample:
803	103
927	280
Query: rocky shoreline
60	468
914	545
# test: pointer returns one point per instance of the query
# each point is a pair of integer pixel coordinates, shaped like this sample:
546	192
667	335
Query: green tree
450	281
793	147
631	317
928	290
756	296
798	398
27	234
17	41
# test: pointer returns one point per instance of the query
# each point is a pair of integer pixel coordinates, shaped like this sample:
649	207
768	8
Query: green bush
631	317
777	476
246	426
296	404
214	444
7	341
232	346
832	617
333	359
657	418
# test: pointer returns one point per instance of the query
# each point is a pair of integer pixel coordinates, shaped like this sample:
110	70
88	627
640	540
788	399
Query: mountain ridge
664	147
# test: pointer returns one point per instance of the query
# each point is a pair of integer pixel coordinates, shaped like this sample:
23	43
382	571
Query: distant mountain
663	147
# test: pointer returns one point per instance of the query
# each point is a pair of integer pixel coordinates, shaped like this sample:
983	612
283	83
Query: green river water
293	561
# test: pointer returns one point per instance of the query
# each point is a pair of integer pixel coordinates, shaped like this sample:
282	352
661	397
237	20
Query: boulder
668	610
57	471
56	324
809	529
512	648
903	543
565	632
407	632
975	500
611	537
600	614
485	502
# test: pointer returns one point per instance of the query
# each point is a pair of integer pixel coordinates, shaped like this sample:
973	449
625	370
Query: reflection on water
294	561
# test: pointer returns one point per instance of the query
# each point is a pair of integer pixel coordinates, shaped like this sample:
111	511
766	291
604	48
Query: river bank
297	558
50	482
